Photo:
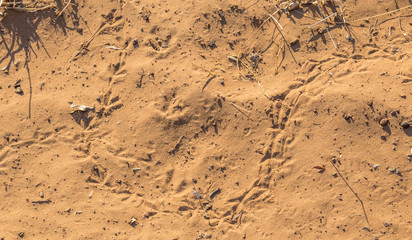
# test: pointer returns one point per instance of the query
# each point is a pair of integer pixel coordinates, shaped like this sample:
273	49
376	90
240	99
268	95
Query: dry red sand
173	115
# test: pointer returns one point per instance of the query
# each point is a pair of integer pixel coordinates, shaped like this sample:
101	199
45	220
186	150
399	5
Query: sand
202	124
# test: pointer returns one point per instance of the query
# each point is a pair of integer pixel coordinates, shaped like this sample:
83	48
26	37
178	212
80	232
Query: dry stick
237	63
333	14
403	33
345	25
266	95
372	28
85	45
347	184
61	12
289	47
276	21
236	59
382	14
210	72
14	3
242	63
248	68
281	48
261	25
327	29
238	108
341	11
24	9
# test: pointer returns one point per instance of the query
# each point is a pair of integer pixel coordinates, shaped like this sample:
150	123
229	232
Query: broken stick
289	47
347	184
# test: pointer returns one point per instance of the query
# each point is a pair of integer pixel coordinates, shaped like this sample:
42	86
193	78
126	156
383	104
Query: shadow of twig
18	34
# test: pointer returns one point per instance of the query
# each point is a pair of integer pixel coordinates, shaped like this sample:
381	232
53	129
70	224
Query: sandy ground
205	125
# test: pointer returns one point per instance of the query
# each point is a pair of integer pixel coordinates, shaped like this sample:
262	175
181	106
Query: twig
345	25
403	33
42	201
263	23
61	12
238	216
347	184
238	60
333	14
276	21
25	9
341	11
86	44
238	108
281	50
382	14
214	193
266	95
289	47
210	72
30	87
326	26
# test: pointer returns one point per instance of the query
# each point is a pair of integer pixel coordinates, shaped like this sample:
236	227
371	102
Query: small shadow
408	131
295	46
80	117
222	18
207	82
387	129
296	14
216	129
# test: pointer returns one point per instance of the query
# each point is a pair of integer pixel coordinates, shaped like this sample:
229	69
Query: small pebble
376	166
133	221
394	170
212	44
347	116
18	90
405	124
383	122
366	229
41	194
197	194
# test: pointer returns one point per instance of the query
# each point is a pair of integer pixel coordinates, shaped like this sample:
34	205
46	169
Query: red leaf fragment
321	169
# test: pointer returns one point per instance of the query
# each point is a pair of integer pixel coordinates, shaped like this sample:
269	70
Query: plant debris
80	108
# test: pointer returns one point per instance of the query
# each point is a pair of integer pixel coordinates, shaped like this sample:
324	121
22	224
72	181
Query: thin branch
276	21
382	14
289	47
326	26
238	108
61	12
347	184
333	14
